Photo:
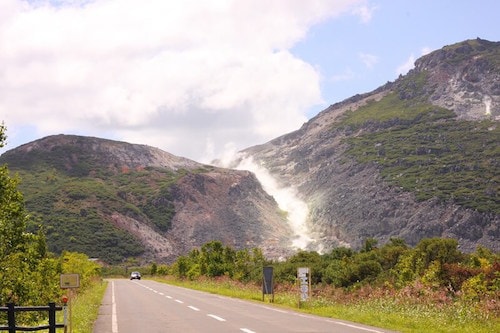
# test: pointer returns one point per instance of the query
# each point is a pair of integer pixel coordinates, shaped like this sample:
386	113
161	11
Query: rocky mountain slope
114	200
418	157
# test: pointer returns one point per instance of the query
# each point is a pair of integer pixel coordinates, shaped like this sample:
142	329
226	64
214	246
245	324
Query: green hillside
75	197
424	149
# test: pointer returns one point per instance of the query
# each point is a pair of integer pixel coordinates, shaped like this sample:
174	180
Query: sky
200	79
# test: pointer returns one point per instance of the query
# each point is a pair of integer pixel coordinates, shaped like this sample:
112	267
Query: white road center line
216	317
246	330
114	321
193	308
179	301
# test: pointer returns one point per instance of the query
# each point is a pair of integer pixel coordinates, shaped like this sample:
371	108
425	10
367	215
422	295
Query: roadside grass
399	313
85	307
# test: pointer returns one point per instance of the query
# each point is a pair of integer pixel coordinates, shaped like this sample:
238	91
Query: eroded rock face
465	78
348	201
230	207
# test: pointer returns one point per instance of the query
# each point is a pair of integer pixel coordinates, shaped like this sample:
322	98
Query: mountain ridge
316	157
413	159
113	199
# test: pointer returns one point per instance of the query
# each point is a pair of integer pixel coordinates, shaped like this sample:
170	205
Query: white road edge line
357	327
193	308
274	309
114	321
216	317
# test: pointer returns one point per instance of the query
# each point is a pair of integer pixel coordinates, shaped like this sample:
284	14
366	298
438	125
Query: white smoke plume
487	104
286	198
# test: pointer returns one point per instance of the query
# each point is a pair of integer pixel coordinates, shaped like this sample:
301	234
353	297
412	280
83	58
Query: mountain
418	157
114	200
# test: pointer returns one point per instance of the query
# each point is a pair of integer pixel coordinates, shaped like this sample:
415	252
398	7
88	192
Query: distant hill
114	200
418	157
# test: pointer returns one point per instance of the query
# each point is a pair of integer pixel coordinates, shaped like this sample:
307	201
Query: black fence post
11	317
52	317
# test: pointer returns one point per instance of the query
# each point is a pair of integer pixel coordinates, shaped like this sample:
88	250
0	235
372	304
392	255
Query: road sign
70	281
304	278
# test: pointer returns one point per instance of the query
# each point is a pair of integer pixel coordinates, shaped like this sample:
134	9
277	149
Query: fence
11	318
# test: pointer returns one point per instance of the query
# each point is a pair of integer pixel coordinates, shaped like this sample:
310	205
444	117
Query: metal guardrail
11	318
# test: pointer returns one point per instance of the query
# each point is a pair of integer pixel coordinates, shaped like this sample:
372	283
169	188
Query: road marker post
304	282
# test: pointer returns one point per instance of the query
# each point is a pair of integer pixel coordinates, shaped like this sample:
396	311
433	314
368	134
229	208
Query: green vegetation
473	48
26	265
75	194
423	149
85	308
432	287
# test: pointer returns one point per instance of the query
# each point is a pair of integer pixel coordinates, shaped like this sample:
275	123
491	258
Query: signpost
69	281
304	280
267	283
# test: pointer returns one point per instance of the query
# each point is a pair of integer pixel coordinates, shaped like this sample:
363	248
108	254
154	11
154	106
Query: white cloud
410	62
346	75
425	50
406	66
365	12
173	74
369	60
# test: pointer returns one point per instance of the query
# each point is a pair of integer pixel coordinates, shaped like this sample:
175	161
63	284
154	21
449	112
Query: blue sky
204	79
398	32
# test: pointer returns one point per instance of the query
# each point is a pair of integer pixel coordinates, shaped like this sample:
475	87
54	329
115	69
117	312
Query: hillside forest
29	274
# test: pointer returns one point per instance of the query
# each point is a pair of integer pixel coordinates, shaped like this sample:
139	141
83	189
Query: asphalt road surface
152	307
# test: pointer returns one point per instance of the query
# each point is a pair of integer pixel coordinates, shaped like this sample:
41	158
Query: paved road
152	307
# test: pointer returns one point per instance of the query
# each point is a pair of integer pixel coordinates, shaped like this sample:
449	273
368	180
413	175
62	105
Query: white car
135	276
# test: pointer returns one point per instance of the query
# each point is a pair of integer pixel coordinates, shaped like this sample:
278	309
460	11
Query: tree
391	252
3	137
369	245
13	217
212	259
79	263
430	254
24	262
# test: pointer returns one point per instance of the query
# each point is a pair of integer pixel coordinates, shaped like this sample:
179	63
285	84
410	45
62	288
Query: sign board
70	281
267	286
304	278
267	282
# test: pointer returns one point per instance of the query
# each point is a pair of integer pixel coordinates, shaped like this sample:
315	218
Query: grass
401	312
85	308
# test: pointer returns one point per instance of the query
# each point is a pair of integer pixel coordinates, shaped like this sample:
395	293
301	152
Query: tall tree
23	256
13	216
